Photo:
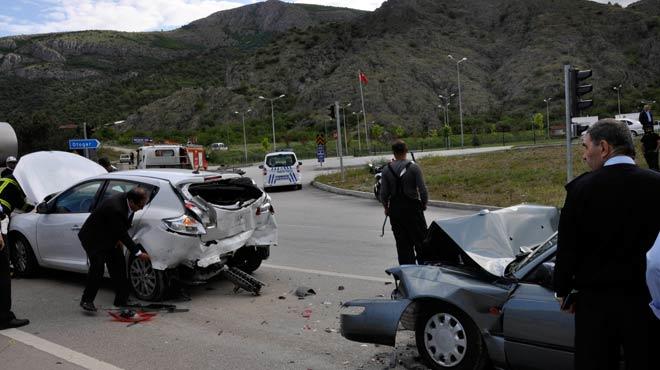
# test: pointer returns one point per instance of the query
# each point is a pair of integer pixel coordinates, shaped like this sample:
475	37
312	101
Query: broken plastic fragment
304	291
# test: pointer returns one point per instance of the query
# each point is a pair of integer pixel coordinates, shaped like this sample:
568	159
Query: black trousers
409	228
114	259
652	160
5	286
606	322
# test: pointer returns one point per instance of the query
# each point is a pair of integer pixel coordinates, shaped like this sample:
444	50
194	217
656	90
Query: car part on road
22	256
147	283
249	259
447	339
242	280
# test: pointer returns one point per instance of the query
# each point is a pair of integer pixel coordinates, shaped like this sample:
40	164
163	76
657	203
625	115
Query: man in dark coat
404	196
645	116
650	145
601	259
101	235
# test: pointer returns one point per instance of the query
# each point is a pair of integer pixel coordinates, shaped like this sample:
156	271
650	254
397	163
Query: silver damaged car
487	299
194	224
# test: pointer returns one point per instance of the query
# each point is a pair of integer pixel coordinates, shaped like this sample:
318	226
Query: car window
115	187
79	199
164	153
279	160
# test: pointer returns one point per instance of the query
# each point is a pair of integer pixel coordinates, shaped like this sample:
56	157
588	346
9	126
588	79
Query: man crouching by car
101	235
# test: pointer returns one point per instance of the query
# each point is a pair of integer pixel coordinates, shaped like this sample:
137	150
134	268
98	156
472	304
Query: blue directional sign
84	144
320	153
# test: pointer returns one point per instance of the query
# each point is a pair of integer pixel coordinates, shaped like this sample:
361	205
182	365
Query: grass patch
535	175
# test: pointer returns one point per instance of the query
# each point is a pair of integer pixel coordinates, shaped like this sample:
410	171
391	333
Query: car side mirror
43	208
300	163
261	166
542	275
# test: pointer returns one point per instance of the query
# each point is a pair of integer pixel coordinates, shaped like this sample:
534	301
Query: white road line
56	350
328	273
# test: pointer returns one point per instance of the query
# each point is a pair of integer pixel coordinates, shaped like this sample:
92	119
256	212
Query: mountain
196	76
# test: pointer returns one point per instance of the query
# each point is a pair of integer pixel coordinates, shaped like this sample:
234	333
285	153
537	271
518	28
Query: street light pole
447	100
547	115
460	103
618	96
244	136
272	115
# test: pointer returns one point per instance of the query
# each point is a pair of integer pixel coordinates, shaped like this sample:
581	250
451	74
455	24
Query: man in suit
101	235
645	116
603	240
7	318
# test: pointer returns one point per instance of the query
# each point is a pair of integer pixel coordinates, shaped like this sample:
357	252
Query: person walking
404	197
101	237
601	255
645	116
650	145
11	198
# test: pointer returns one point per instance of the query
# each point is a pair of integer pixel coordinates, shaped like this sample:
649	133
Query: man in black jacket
645	116
101	235
601	257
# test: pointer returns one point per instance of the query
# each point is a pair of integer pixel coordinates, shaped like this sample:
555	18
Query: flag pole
364	112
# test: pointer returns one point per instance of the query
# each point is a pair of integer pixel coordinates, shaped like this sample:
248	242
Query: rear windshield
279	160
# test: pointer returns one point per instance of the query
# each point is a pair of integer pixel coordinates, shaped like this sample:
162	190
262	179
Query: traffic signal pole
569	134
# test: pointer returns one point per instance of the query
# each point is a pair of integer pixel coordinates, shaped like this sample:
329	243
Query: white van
219	146
281	169
163	156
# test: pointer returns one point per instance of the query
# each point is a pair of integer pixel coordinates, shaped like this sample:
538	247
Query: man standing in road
645	116
404	196
650	145
101	235
601	256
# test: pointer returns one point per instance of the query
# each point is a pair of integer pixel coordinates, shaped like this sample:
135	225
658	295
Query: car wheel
147	283
246	259
633	132
22	257
448	339
299	186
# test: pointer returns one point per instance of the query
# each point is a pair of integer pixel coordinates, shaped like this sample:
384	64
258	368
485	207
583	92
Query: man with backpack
404	196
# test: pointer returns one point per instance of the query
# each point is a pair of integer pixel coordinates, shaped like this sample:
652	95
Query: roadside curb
434	203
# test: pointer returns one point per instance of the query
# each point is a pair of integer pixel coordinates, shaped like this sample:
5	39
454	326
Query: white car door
57	231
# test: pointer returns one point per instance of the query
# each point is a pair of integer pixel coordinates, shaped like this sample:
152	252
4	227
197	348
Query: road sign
84	144
320	153
320	139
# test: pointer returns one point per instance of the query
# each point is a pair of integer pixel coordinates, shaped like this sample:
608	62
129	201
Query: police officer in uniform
404	196
11	197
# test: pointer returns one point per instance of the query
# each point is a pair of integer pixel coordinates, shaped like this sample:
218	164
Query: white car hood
493	239
43	173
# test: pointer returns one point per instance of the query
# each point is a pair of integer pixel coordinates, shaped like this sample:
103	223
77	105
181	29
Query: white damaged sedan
193	225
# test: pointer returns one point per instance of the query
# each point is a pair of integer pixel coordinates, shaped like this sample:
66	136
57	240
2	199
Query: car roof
283	152
173	175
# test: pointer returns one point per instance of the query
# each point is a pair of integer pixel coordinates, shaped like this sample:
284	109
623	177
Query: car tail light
265	206
184	225
202	215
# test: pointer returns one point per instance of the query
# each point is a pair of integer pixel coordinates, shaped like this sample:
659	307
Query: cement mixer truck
8	142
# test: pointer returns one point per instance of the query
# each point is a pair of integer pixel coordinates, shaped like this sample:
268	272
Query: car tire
299	186
634	133
22	257
443	329
247	259
147	283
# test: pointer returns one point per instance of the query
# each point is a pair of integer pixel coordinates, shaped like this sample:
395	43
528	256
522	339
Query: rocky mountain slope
197	75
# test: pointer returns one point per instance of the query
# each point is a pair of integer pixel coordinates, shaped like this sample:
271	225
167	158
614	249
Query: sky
45	16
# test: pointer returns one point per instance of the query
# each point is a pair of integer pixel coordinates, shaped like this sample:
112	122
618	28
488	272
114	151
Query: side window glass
79	199
119	187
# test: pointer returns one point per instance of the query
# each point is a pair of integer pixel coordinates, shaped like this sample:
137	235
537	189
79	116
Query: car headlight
184	225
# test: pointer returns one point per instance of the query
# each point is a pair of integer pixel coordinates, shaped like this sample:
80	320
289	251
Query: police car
281	169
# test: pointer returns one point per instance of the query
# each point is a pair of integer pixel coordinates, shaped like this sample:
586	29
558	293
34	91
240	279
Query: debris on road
307	313
281	297
304	291
242	280
220	332
341	287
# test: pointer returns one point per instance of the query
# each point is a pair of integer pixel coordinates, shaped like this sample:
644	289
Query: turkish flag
363	78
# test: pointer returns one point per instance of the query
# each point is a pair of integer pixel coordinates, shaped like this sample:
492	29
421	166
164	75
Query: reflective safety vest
11	195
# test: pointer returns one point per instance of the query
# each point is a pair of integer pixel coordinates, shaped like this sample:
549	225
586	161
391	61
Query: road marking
328	273
56	350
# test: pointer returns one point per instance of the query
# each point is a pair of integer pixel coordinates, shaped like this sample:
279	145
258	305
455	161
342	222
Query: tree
538	121
398	131
446	133
377	131
265	143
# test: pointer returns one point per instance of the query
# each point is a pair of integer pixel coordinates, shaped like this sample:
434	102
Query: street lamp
447	100
618	96
460	104
343	111
547	114
357	116
272	115
244	137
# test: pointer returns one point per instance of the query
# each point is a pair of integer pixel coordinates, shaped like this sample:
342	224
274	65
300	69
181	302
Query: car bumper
377	323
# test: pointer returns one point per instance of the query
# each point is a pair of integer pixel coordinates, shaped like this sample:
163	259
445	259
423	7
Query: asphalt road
329	243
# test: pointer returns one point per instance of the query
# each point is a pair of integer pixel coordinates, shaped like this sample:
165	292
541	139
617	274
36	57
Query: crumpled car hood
43	173
493	239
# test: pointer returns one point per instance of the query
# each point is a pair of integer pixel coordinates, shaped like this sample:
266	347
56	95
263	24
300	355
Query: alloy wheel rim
143	277
21	256
445	340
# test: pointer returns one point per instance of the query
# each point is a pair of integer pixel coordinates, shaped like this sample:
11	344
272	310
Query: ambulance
281	169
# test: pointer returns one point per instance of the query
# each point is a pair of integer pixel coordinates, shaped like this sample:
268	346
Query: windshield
526	258
280	160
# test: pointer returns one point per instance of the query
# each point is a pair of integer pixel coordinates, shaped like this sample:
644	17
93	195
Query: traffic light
578	89
331	111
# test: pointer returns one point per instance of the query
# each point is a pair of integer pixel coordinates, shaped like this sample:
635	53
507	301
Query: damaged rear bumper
377	323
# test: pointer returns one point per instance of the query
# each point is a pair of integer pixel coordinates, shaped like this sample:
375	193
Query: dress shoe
14	323
88	306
